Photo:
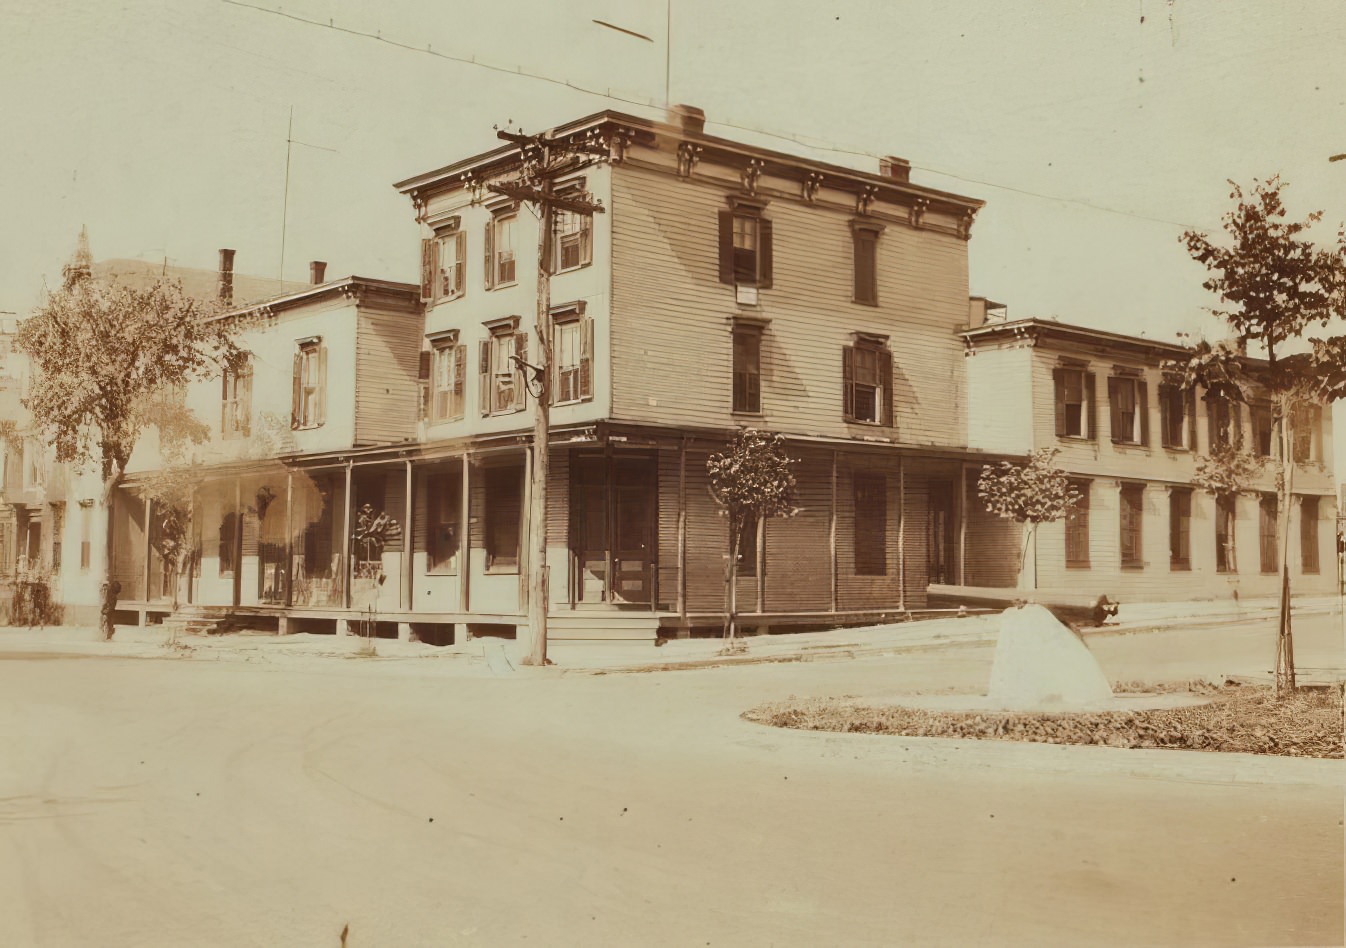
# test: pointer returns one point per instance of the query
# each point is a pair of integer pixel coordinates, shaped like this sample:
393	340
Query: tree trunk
731	581
537	514
1030	531
108	590
1285	654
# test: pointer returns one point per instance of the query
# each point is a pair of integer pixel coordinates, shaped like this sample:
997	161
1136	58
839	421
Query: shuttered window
1077	528
451	263
572	358
1226	510
1180	529
748	369
309	402
1306	422
1266	532
503	387
865	243
1132	519
448	381
236	402
1074	402
500	261
1129	410
1308	534
871	524
444	523
1224	422
745	249
867	384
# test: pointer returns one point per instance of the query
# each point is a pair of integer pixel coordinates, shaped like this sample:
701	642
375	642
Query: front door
614	505
941	539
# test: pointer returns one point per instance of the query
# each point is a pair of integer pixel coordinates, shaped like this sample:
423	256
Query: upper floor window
748	369
309	401
1225	423
500	237
572	245
443	264
572	356
867	379
1074	402
1306	428
501	376
1260	415
865	240
1129	409
745	244
236	402
1177	416
448	372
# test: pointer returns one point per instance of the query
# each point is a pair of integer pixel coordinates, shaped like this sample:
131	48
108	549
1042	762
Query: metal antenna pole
285	201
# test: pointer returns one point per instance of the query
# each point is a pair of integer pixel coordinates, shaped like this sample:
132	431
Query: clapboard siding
707	536
1000	400
558	527
993	545
671	321
386	394
669	460
798	563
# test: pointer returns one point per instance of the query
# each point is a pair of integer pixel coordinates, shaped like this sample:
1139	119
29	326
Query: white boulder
1041	665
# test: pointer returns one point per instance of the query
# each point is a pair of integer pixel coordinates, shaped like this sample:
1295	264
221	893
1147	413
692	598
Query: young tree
1273	283
109	358
750	481
172	492
1032	493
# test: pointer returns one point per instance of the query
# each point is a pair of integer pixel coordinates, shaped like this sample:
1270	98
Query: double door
613	528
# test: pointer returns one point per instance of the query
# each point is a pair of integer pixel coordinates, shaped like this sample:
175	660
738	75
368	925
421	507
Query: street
164	802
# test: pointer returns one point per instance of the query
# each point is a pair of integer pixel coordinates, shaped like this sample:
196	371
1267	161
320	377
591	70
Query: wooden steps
602	626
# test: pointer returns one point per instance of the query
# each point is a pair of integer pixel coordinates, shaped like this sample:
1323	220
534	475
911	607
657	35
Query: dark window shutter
484	376
1091	404
459	400
1191	418
866	276
764	254
1212	425
489	245
428	267
1166	396
1114	412
1143	406
886	374
460	261
726	247
587	357
297	397
322	385
1317	438
848	382
245	401
1059	381
423	372
520	373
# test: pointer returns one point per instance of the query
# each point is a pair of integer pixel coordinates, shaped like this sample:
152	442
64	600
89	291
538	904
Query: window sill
874	304
1177	448
581	266
1130	444
504	412
572	401
1310	572
503	286
867	424
739	413
306	428
446	299
443	421
502	571
1081	439
441	572
1077	566
1133	567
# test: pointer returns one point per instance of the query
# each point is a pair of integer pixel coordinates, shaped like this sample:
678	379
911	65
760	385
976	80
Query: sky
1095	131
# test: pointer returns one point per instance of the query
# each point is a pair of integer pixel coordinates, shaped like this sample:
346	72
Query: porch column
149	547
760	540
832	533
682	532
407	539
901	534
289	539
237	540
465	537
962	523
346	541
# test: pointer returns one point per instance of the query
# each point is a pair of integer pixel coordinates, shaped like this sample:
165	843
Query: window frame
444	489
745	215
492	526
501	219
574	380
746	376
1268	515
236	402
882	380
1131	523
581	238
1180	529
442	292
747	545
1088	420
451	388
310	385
1224	424
1309	535
497	350
1137	392
57	536
1172	395
865	262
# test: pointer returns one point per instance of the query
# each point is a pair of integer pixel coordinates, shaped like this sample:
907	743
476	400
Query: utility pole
544	160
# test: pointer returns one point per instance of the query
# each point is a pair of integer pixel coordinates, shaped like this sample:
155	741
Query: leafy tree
111	360
173	493
750	480
1273	283
1031	493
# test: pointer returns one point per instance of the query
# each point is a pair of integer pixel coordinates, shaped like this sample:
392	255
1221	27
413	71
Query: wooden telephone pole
544	160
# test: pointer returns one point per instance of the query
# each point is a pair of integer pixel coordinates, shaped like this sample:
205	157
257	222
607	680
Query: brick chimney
899	169
226	275
317	271
688	117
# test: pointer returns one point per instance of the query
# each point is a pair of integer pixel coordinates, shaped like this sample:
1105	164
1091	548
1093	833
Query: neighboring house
1130	438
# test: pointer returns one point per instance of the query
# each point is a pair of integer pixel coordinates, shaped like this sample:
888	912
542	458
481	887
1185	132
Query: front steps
584	625
201	620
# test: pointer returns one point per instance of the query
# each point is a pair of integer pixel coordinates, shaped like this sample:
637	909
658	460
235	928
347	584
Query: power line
816	144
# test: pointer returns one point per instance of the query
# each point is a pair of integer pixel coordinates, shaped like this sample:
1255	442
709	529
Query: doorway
940	541
614	502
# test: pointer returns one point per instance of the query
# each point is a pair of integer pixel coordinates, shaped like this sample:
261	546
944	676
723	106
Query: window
444	522
85	535
745	245
1226	509
1266	532
32	464
1132	517
748	369
1177	418
450	265
573	243
747	544
57	533
871	524
1074	402
1180	529
865	241
500	262
236	402
572	357
447	380
1077	528
309	404
1225	422
1306	429
228	539
1308	534
504	508
1129	410
1262	428
867	377
501	374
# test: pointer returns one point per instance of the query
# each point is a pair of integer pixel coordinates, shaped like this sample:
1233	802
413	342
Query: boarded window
1226	509
1266	532
1180	529
1308	534
1132	517
1077	528
504	509
867	381
1074	402
871	524
748	369
865	240
444	521
448	381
